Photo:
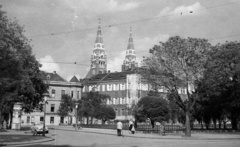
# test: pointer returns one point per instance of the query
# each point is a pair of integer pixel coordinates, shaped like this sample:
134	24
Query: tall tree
175	64
20	77
220	83
91	103
153	108
105	113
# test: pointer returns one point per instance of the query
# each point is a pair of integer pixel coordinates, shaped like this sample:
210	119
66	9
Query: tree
66	106
219	86
20	77
177	64
91	103
153	108
105	113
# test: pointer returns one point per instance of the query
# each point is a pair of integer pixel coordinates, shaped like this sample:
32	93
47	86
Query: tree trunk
207	126
219	124
68	119
87	120
91	120
152	123
215	123
187	124
224	125
234	121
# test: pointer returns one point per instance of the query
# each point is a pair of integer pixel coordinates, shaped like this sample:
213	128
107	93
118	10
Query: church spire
130	59
99	38
130	40
98	58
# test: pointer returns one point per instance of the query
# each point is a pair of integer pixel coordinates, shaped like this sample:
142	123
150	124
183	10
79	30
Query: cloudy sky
64	31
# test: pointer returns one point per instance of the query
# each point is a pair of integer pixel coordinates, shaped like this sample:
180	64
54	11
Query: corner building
57	87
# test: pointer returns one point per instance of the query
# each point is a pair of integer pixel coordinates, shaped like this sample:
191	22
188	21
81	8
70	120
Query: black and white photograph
120	73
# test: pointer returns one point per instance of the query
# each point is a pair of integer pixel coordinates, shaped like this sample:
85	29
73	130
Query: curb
180	138
29	142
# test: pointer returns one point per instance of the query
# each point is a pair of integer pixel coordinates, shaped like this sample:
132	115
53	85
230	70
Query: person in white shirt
119	128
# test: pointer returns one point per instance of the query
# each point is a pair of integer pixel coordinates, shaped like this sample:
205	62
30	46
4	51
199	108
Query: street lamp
76	106
45	95
81	86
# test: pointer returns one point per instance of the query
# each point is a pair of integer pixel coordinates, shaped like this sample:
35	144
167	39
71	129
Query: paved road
70	138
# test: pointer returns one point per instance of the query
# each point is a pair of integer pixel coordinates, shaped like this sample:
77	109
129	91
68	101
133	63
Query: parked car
38	128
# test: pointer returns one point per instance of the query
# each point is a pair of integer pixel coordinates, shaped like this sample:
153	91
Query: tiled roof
52	76
74	79
110	76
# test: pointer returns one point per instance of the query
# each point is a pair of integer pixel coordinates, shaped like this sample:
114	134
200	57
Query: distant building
125	88
57	87
98	58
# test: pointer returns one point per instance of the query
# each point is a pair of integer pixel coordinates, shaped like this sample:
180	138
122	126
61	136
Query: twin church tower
99	57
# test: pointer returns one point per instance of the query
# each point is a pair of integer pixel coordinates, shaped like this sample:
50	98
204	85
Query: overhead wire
129	22
124	23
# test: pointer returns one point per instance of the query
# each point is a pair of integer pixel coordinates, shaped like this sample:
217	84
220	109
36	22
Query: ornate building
125	88
130	59
98	58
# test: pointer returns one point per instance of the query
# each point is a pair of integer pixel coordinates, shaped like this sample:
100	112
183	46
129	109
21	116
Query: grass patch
19	138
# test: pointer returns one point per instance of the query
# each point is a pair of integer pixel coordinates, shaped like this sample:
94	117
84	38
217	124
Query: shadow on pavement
42	145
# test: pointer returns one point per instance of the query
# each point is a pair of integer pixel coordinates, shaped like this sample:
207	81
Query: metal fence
158	129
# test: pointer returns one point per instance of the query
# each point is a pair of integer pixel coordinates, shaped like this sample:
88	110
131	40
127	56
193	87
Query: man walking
119	128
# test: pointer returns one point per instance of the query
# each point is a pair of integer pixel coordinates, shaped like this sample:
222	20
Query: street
71	138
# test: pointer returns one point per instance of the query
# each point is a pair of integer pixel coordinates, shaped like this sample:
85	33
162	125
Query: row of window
41	119
121	112
115	101
72	94
108	87
115	87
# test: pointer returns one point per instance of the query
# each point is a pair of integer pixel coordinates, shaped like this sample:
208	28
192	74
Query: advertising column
16	120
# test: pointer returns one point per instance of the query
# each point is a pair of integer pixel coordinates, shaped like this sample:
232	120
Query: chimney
54	72
108	71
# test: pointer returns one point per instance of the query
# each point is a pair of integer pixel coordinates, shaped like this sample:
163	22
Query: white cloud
115	64
182	10
48	64
113	5
144	44
101	6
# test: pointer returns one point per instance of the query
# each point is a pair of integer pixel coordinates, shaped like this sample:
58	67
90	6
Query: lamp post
76	106
45	95
81	86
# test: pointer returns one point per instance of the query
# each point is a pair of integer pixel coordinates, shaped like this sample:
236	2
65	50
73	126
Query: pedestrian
119	128
130	126
133	128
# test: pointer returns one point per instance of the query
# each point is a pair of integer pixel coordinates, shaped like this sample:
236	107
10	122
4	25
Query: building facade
57	87
125	88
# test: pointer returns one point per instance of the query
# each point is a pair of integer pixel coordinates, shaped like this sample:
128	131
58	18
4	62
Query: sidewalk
13	137
194	136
